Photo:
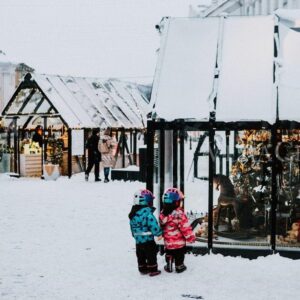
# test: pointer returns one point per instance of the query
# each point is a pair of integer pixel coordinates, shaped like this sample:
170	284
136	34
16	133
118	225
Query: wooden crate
31	165
77	164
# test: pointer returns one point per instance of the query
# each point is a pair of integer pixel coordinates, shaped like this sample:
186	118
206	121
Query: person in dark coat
38	135
94	156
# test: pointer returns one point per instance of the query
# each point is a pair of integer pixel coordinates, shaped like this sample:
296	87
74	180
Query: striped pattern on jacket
176	229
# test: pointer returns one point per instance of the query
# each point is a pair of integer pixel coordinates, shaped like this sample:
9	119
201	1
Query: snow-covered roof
289	73
245	88
289	17
81	102
188	51
230	60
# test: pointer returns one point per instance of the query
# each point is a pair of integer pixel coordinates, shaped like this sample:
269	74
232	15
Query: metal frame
52	112
29	83
211	127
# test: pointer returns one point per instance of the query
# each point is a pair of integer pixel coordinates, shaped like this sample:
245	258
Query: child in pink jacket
176	229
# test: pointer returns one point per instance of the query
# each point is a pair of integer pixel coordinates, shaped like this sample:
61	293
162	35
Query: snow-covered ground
70	240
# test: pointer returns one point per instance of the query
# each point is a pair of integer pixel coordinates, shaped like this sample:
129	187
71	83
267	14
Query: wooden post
123	140
135	147
130	132
16	150
69	152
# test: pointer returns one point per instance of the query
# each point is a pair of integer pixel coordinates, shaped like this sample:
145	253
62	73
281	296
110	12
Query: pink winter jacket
176	229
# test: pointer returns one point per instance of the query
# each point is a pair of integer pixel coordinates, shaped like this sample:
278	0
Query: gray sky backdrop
104	38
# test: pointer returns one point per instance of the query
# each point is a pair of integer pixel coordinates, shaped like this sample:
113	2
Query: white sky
104	38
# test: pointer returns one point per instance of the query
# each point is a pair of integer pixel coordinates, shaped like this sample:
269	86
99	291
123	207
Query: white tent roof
241	52
245	90
185	71
289	84
87	102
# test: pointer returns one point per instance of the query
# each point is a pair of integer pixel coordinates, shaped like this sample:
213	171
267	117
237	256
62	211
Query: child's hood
138	210
145	210
176	214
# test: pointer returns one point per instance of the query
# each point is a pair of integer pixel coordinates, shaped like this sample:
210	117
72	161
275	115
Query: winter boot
97	179
86	177
169	266
155	273
181	268
106	180
143	270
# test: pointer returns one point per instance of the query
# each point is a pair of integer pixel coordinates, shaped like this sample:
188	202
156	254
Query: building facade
242	7
11	74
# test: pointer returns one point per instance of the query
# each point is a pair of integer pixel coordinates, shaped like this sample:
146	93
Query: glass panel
156	170
168	159
44	108
196	183
18	101
6	151
33	103
242	192
288	179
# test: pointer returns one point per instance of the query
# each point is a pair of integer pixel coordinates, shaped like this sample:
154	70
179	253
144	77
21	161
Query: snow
185	71
89	102
129	168
245	89
70	239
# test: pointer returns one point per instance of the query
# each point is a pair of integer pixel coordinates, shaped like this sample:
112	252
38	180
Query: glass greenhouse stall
255	161
225	130
48	119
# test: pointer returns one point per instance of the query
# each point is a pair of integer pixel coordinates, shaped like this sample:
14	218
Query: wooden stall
49	118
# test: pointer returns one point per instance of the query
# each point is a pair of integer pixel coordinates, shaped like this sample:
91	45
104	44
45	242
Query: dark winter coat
143	224
37	138
92	146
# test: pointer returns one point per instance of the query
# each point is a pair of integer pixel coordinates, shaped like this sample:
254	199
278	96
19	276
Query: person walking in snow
144	227
94	156
176	230
106	146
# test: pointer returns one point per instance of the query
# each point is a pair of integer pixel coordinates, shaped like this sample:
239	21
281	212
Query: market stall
48	120
236	157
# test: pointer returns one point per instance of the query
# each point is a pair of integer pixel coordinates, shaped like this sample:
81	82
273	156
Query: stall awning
185	71
79	102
